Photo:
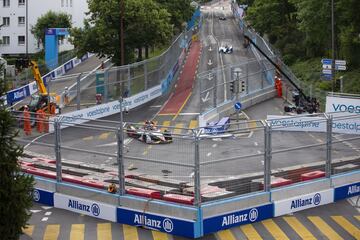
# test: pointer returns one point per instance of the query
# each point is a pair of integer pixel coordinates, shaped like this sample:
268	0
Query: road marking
274	229
147	150
214	145
182	106
27	145
159	235
88	138
104	231
177	129
104	136
46	207
77	232
324	228
35	211
193	124
208	154
156	106
52	232
47	213
226	235
258	151
299	228
256	144
250	232
28	230
44	219
130	232
165	124
351	229
317	139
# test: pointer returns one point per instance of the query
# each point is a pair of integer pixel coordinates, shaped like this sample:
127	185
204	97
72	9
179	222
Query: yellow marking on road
77	232
299	228
274	229
147	150
182	106
348	226
159	235
177	129
88	138
104	231
226	235
165	125
357	217
193	124
250	232
252	125
166	114
130	232
104	136
317	139
324	228
52	232
28	230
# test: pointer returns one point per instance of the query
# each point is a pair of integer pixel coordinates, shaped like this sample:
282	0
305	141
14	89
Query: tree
146	23
50	20
15	187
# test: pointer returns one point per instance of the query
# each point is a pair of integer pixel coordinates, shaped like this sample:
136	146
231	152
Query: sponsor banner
87	207
76	62
303	202
107	109
68	66
33	88
43	196
347	191
286	123
161	223
84	58
17	94
229	220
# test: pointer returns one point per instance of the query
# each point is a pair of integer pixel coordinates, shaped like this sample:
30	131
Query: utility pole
122	15
332	45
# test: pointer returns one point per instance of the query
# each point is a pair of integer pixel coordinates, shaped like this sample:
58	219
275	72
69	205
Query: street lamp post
120	154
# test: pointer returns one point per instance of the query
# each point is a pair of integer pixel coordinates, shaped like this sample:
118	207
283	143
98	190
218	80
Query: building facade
13	22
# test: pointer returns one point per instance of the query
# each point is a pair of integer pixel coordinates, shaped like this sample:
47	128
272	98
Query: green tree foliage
50	20
15	187
146	23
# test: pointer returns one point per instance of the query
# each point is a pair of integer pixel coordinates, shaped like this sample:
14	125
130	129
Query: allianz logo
20	94
238	218
353	189
297	203
166	224
346	108
94	209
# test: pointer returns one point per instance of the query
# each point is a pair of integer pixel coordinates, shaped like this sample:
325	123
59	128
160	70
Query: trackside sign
342	104
43	196
229	220
347	191
160	223
87	207
303	202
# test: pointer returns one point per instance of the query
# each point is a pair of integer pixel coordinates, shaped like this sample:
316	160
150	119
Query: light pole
332	45
120	154
26	28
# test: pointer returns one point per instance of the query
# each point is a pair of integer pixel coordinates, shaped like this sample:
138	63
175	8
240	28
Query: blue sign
242	217
347	191
326	61
156	222
326	76
17	94
237	106
43	197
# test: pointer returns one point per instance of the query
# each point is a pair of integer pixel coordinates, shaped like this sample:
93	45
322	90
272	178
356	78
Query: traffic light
243	86
232	86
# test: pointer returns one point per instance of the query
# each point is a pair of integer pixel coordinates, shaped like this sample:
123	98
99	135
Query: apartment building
13	22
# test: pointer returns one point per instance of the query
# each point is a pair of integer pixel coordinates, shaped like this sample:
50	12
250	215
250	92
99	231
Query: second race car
149	135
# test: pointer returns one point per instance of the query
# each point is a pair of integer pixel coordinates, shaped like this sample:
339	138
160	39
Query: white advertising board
83	206
303	202
302	124
342	104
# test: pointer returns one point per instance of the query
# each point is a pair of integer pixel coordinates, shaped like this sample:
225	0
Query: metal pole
237	95
247	79
145	76
267	157
27	29
215	91
106	85
129	83
58	150
120	156
78	91
122	48
197	200
329	122
333	45
341	84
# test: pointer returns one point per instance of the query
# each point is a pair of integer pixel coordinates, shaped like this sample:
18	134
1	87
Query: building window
70	3
21	2
62	3
21	40
21	20
5	40
6	3
6	21
67	3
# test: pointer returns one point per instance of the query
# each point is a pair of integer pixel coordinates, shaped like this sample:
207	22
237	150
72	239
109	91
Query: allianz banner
347	191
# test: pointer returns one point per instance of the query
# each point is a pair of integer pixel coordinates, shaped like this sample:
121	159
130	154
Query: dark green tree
15	187
50	20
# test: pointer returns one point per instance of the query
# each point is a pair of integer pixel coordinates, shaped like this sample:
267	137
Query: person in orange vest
27	124
40	119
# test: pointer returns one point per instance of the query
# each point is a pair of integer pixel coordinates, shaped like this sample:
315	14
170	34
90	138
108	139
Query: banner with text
347	191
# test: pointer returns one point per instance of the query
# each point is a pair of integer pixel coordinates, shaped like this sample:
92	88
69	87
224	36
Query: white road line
214	145
46	207
208	154
48	213
258	151
27	145
44	219
156	106
256	144
35	211
262	162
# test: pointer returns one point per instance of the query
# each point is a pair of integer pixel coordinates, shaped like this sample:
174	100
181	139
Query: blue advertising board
156	222
43	197
246	216
347	191
17	94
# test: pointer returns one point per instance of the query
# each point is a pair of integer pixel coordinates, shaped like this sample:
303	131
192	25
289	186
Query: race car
149	136
226	49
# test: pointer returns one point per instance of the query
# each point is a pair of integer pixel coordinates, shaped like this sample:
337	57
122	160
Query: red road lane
185	83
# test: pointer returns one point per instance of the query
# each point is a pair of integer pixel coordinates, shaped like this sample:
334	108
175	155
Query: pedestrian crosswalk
282	228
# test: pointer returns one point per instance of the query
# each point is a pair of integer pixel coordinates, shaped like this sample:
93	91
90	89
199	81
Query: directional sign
340	62
326	66
326	61
340	67
237	106
327	76
326	71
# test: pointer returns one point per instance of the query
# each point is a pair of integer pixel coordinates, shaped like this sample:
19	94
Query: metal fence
249	156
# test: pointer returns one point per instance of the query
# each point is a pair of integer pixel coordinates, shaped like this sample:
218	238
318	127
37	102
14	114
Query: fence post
120	156
106	85
329	121
78	78
145	75
129	83
267	157
57	144
197	193
215	90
